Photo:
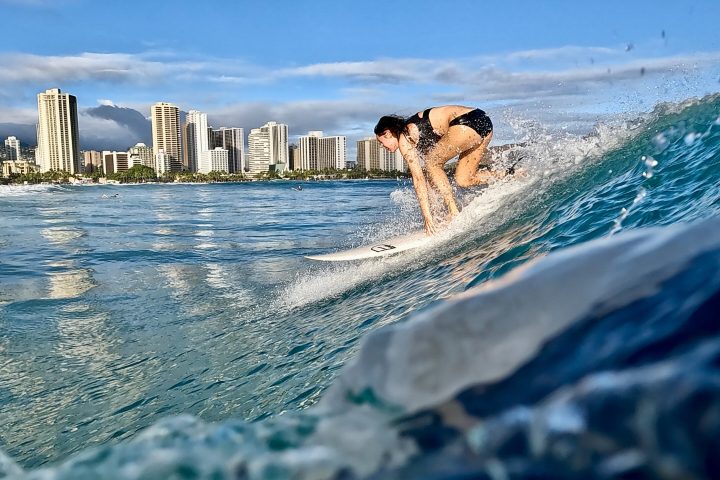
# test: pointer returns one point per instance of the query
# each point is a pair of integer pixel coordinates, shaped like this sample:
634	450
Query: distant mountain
133	120
131	127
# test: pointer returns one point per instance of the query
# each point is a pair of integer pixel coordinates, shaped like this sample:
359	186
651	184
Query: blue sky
338	65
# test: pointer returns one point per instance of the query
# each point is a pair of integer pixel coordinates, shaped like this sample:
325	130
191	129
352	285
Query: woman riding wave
437	135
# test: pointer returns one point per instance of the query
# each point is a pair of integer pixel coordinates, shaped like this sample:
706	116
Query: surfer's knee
463	180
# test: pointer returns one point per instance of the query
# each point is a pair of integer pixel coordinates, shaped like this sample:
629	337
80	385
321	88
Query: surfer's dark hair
394	123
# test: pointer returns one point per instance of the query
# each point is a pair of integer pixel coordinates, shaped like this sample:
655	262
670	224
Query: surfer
437	135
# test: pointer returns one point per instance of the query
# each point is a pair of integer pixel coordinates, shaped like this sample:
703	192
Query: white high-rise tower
195	142
12	147
258	151
278	141
57	132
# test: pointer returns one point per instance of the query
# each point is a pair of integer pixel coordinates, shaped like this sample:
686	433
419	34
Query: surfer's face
388	141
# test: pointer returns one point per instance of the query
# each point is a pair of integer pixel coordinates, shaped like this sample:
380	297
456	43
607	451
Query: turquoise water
123	305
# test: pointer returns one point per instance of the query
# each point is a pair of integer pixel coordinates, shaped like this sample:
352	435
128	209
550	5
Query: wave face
564	327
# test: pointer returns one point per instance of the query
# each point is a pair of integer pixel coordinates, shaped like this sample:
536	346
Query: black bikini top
428	137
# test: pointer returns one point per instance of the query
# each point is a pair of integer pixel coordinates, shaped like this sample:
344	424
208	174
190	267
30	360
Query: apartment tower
232	140
195	141
166	137
57	132
12	148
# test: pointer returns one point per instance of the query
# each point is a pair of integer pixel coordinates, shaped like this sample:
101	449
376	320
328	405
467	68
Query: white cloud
546	83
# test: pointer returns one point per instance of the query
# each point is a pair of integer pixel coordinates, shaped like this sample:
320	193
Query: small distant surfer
298	188
437	135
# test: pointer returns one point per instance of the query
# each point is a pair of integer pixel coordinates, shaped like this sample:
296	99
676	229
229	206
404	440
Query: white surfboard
379	249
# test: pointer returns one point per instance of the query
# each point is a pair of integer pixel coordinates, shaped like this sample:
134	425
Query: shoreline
289	180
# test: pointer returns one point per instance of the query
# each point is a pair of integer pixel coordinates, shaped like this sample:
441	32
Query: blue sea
566	325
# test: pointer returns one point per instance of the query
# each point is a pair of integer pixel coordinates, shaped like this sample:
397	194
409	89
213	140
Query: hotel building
57	132
215	160
12	149
258	151
371	155
195	141
232	140
166	137
318	152
141	154
114	162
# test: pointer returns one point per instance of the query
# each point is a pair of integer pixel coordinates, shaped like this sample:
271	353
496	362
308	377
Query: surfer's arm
421	189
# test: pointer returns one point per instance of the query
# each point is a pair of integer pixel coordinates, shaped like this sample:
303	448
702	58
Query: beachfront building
114	162
332	153
57	132
141	154
195	141
278	144
215	160
308	146
317	152
92	161
163	164
165	119
21	167
293	157
12	149
258	151
371	155
233	140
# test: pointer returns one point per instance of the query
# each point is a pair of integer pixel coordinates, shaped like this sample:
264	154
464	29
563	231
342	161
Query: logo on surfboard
382	248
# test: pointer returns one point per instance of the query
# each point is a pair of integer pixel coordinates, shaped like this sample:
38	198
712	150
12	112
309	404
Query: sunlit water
121	305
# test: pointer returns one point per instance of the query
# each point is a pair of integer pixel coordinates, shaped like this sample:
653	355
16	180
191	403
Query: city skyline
338	67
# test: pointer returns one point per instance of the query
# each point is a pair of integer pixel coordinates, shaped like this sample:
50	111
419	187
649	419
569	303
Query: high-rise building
195	141
371	155
92	161
319	153
114	162
278	142
308	150
293	157
258	151
332	152
232	140
162	163
216	160
57	132
141	154
166	135
12	149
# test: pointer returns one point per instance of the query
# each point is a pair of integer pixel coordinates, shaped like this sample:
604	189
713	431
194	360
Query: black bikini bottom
475	119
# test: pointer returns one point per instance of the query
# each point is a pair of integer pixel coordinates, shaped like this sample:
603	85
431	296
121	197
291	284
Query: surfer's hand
430	227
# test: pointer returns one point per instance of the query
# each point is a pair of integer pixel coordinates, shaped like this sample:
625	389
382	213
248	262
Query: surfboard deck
380	249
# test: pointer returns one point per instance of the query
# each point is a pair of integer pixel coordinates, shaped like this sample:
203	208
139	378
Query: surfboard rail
379	249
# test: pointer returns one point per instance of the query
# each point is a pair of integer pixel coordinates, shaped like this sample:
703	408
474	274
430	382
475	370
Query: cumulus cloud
561	86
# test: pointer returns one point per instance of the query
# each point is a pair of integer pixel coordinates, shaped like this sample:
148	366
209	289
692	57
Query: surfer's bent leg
466	173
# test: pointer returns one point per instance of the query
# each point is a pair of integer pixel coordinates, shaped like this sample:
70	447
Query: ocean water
566	324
